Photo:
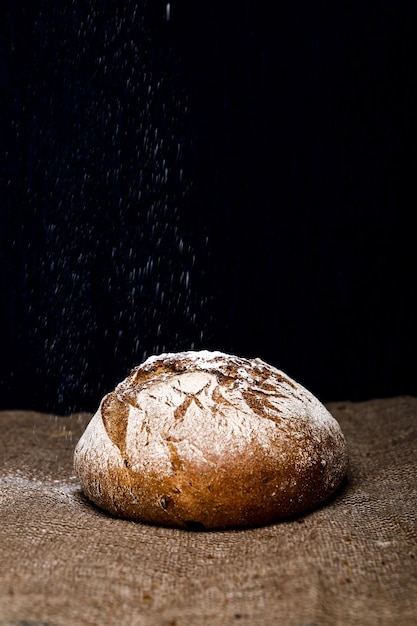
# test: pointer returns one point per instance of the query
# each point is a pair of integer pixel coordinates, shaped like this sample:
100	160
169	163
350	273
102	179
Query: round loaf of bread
205	440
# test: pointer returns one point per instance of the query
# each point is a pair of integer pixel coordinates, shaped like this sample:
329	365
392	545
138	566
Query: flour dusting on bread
190	421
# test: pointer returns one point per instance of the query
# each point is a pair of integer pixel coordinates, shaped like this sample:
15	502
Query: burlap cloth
353	561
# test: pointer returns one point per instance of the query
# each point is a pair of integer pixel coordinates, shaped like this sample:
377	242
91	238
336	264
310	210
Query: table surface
352	561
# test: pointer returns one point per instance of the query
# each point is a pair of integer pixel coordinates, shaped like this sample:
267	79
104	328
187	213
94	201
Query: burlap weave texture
351	562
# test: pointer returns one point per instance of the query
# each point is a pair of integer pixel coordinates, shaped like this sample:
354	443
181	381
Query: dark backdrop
215	175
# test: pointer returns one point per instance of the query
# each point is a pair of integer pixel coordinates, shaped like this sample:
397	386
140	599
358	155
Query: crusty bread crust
210	440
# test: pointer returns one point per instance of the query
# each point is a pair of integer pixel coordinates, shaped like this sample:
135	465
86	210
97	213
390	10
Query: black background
238	177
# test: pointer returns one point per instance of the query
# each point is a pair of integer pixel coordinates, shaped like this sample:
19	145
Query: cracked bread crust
209	440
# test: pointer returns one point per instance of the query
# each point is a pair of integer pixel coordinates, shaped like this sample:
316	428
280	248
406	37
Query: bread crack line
181	410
